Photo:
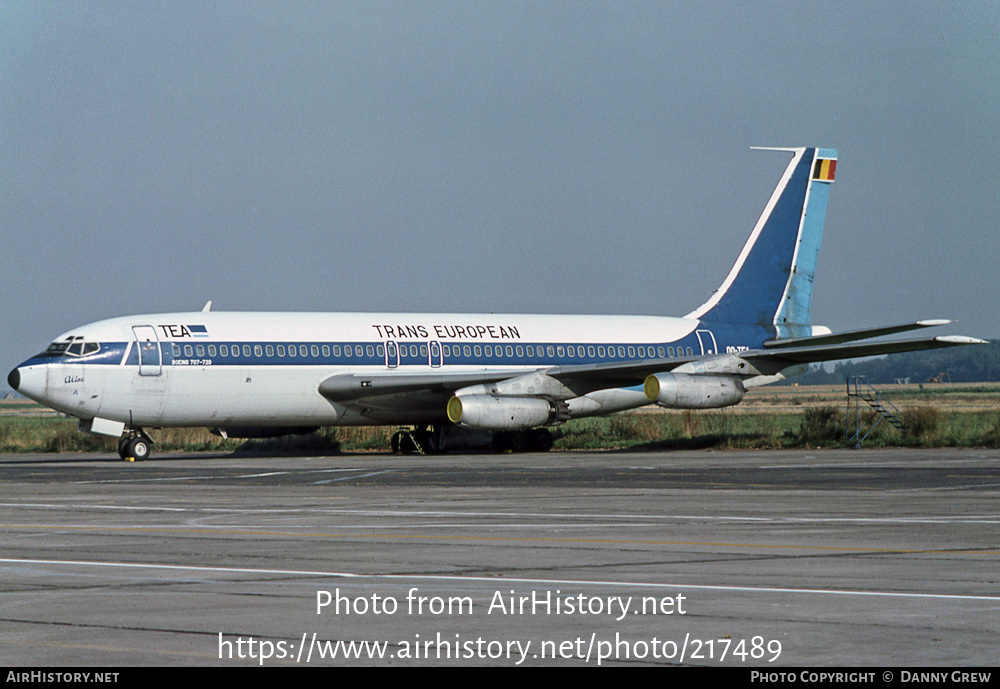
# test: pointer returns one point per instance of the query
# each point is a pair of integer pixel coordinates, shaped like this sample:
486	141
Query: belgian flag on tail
824	169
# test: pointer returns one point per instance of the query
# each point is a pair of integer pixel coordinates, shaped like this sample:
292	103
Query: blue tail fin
771	281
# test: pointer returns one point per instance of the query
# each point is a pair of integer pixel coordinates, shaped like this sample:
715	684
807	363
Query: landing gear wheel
540	440
500	442
430	442
534	440
135	447
139	448
518	441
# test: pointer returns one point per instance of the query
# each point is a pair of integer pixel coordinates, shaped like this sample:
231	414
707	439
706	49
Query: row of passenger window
290	351
421	351
556	351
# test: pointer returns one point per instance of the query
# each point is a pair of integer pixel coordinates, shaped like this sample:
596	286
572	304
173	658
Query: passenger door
148	344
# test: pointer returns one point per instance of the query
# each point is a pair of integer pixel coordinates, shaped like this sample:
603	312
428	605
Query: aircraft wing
745	363
390	389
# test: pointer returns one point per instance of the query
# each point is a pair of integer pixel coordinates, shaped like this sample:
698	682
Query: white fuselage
248	369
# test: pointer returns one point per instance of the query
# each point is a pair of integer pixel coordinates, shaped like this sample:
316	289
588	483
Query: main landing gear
531	440
438	439
418	441
135	446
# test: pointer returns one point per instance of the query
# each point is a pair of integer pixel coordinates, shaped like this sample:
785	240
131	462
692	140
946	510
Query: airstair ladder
864	421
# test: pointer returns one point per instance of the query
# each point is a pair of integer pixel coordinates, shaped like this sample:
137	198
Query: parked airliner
252	374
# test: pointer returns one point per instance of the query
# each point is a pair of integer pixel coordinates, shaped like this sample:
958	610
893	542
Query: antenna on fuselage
208	306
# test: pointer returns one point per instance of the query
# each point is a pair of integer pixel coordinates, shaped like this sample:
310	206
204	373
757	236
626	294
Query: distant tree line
972	364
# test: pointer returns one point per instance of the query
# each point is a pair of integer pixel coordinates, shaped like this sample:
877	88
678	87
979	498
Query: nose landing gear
135	446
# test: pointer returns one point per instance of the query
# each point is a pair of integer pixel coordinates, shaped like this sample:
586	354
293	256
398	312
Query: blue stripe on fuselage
728	337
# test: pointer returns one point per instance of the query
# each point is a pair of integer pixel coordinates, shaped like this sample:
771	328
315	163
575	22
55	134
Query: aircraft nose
30	381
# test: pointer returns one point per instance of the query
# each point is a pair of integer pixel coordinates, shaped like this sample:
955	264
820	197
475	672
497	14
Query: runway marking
352	478
250	531
928	519
502	580
143	479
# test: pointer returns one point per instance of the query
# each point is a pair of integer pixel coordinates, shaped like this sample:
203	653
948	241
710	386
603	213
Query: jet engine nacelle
683	391
500	413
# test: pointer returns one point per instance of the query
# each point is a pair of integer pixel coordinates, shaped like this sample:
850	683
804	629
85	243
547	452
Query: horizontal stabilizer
852	335
833	352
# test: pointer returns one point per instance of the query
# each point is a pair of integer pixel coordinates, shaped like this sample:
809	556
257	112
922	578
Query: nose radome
14	379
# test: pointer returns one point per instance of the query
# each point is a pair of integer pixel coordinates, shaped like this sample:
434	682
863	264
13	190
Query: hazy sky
546	157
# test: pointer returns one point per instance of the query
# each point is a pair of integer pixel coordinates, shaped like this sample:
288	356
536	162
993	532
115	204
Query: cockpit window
72	347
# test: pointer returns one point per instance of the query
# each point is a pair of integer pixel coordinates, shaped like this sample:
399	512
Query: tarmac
763	559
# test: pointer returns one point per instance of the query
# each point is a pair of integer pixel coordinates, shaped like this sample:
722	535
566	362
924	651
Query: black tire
518	441
541	440
500	441
139	448
429	439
